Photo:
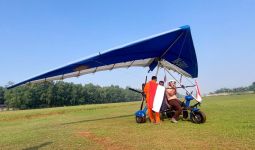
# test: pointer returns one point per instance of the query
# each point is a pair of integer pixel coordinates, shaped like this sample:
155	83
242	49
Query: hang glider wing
174	49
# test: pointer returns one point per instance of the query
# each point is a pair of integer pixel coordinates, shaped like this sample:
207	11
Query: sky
39	35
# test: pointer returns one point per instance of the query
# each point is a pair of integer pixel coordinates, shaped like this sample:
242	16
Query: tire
198	117
140	119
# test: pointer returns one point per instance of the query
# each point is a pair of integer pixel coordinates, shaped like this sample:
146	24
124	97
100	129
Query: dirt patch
106	142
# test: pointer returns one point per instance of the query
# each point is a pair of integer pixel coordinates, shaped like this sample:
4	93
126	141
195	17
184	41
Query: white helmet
172	81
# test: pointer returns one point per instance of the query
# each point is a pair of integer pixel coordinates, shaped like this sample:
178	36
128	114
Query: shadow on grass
97	119
38	146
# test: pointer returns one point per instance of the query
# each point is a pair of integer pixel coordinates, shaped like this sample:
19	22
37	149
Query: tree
52	94
252	87
2	90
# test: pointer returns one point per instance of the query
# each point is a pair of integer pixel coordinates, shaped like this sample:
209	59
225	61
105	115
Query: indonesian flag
199	98
157	93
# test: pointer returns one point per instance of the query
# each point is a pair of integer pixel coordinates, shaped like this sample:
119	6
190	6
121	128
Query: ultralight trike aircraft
172	50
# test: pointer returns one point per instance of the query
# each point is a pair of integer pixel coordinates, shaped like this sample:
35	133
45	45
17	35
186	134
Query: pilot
173	100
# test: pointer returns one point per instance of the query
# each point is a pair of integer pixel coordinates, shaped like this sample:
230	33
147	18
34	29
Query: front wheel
198	117
140	119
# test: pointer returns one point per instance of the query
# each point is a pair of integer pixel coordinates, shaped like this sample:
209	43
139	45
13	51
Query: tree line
54	94
237	90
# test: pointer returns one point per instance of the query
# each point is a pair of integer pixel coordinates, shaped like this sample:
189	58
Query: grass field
230	125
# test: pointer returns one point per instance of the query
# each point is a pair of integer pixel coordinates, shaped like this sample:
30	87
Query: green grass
230	125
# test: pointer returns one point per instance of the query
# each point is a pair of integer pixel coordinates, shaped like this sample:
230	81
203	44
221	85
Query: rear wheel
140	119
198	117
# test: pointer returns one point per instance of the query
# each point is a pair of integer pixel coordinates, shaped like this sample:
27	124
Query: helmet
172	81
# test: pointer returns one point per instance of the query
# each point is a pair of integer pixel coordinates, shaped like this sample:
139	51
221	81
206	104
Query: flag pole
157	69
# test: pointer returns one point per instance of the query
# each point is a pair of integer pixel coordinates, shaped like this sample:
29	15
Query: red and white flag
156	96
198	96
158	99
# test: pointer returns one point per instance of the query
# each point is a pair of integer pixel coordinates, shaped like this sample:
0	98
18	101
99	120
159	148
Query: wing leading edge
174	49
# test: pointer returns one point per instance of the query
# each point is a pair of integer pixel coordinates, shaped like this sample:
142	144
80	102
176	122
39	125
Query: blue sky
39	35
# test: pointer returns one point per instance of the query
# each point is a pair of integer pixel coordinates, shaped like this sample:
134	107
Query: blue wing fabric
175	48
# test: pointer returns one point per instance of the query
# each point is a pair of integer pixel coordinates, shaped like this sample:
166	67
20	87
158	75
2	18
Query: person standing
150	91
